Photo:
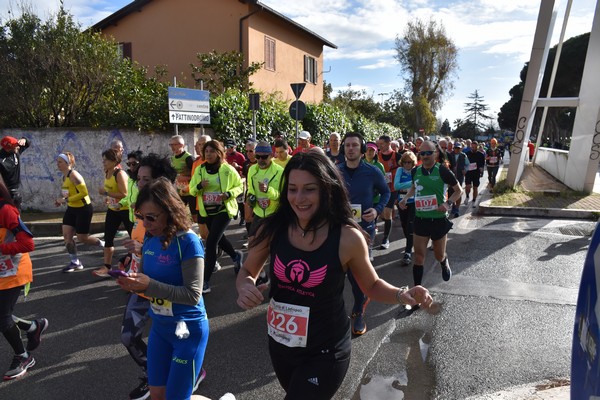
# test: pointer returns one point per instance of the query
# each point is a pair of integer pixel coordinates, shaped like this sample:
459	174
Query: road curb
485	208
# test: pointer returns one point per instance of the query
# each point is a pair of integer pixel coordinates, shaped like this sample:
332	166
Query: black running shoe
446	271
142	391
34	338
19	367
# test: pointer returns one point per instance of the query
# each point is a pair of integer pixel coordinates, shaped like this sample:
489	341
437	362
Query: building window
310	69
269	53
125	50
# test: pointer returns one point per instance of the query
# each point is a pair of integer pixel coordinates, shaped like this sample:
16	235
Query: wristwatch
450	203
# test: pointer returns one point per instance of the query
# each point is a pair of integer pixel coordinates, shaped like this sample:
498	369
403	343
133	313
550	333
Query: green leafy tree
51	73
476	111
132	99
428	59
232	119
220	72
323	119
560	120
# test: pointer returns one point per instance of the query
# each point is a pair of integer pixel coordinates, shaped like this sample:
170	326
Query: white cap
304	135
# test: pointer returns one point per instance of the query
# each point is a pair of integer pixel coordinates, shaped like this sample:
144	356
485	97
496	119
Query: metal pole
176	125
254	125
296	124
202	125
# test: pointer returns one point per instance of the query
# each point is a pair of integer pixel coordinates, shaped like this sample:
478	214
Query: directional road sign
189	106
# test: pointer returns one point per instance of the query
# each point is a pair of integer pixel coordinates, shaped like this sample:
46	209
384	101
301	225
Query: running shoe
205	288
237	263
359	326
34	338
217	267
200	379
142	391
72	267
446	271
384	245
406	260
227	396
19	367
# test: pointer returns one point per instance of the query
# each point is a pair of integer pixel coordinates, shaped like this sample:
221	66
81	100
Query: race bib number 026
288	323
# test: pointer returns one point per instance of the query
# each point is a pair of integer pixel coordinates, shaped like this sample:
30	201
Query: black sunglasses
148	217
262	156
426	153
132	163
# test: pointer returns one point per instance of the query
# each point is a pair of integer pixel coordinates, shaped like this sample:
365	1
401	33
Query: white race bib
7	267
356	211
212	199
161	307
288	323
426	203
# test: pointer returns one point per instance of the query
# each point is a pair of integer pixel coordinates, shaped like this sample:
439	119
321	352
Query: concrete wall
40	178
553	161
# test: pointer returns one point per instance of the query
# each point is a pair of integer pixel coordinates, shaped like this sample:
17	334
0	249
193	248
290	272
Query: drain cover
577	230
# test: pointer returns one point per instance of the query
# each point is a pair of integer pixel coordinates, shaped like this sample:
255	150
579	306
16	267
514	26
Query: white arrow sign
176	117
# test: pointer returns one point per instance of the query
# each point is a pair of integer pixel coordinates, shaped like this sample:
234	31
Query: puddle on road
415	382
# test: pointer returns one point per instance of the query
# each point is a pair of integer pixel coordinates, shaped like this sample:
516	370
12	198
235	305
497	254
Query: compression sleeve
189	294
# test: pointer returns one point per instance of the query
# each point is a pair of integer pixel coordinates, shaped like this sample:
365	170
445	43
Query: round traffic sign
297	110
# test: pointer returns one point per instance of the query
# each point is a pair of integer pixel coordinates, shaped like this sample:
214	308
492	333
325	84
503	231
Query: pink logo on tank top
298	272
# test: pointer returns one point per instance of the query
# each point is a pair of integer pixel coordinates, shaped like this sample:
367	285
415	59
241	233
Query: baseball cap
457	144
8	142
229	143
304	135
372	145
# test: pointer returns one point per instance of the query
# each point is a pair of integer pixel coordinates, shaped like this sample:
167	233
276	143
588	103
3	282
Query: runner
363	182
78	217
309	332
402	183
218	184
282	154
182	161
16	241
459	165
115	188
493	159
171	270
474	173
391	161
333	152
429	182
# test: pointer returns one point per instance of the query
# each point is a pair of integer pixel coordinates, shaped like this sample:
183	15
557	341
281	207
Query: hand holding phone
116	273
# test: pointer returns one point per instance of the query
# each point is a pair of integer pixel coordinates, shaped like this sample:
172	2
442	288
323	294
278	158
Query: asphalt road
506	319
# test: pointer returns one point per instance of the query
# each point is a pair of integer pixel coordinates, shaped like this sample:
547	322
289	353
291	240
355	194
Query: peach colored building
172	32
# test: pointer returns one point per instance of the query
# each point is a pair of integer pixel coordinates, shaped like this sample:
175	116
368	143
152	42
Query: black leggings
111	225
316	376
10	330
407	218
216	225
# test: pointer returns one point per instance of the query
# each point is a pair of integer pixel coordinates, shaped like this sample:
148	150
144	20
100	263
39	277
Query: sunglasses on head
426	153
147	217
132	163
262	156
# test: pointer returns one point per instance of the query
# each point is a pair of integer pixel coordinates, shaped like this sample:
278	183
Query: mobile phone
115	273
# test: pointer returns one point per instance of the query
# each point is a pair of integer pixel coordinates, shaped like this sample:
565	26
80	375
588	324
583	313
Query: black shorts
79	217
392	200
472	178
434	228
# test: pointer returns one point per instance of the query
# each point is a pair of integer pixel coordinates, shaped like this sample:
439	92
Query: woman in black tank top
312	241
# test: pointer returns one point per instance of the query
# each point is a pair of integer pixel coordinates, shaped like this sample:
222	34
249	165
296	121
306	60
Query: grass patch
506	196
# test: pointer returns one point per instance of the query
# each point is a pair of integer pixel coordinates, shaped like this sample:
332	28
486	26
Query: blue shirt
165	266
363	183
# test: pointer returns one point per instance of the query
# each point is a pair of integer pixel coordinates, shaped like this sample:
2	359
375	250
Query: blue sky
494	39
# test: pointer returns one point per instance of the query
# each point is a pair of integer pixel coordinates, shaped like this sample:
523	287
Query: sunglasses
426	153
262	156
147	217
132	163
